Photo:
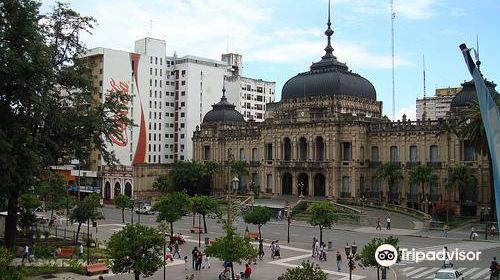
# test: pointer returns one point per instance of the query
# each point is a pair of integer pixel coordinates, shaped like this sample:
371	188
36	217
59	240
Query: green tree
191	177
232	247
136	249
123	202
258	215
52	190
367	255
171	207
69	202
8	272
28	202
42	61
460	177
306	271
204	205
85	211
423	175
209	169
323	215
163	184
389	172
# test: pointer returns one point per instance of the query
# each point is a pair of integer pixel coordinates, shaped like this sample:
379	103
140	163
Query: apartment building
438	106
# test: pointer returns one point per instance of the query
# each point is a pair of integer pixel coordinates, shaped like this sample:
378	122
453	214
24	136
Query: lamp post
301	189
234	185
350	252
199	231
164	259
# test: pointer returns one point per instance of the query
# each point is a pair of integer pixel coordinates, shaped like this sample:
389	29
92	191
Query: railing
345	194
434	164
254	163
63	233
413	197
411	164
373	195
375	164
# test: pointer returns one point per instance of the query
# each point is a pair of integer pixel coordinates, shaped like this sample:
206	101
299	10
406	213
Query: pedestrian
279	215
445	230
176	250
379	224
388	223
194	254
314	247
339	260
447	262
168	255
80	251
273	248
322	252
185	262
206	261
261	250
493	230
199	260
26	253
494	269
277	250
472	233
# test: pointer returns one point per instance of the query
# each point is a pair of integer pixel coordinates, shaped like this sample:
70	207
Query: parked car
146	210
447	274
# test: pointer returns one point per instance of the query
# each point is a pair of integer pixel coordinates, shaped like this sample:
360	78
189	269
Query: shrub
439	211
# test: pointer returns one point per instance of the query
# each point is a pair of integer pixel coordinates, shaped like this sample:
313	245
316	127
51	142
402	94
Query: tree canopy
367	255
204	205
323	215
85	211
52	190
306	271
258	215
171	207
193	177
423	175
123	202
389	172
137	249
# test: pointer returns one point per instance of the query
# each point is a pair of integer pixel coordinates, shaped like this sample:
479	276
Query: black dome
223	111
468	93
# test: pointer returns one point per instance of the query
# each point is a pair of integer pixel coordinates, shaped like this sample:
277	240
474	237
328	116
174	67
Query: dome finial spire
329	33
223	90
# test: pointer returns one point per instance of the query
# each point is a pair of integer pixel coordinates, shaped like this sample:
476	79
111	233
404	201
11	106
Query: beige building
438	106
327	137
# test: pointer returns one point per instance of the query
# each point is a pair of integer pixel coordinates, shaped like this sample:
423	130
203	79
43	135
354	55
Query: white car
146	210
447	274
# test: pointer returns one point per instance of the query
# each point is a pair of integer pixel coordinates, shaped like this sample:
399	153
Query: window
182	125
302	149
156	60
161	72
183	83
150	71
183	93
156	71
394	153
206	152
183	114
242	154
161	61
269	151
362	154
434	156
287	152
182	136
413	154
362	184
346	151
269	184
469	151
375	155
183	72
320	149
183	104
345	184
254	154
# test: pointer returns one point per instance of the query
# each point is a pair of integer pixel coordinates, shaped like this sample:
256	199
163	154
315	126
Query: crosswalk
411	272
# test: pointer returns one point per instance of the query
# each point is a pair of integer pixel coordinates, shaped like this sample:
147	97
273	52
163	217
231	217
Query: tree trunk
78	231
194	215
136	274
51	214
260	234
205	224
320	235
11	221
232	271
171	229
424	204
123	215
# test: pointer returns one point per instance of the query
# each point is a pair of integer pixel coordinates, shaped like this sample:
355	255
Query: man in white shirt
388	223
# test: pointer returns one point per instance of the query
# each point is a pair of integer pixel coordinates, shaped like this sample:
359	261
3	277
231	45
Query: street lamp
350	252
234	186
301	189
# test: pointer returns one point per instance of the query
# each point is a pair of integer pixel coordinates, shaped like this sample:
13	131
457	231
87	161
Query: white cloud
413	10
410	113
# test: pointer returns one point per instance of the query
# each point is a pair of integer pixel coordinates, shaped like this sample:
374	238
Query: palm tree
422	174
471	128
239	169
460	177
389	172
209	169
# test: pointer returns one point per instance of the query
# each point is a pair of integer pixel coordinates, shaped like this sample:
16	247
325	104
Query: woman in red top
248	271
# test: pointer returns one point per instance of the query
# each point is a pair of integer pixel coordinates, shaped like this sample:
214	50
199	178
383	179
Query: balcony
254	163
413	197
374	164
345	194
373	195
285	164
318	164
434	164
411	164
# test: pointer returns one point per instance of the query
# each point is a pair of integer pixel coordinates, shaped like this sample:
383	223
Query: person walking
279	215
445	230
194	255
206	261
261	250
388	223
273	249
379	224
26	253
314	247
176	250
277	250
199	260
494	269
472	233
339	260
80	251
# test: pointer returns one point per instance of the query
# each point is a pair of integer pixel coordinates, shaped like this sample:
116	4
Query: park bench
66	252
196	229
253	235
96	268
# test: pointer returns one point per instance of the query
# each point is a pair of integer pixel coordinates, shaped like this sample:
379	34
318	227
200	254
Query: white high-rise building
436	107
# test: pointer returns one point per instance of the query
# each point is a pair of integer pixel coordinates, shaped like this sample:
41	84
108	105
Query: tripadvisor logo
386	255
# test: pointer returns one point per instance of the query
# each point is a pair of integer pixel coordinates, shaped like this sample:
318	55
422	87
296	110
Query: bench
96	268
253	235
66	252
196	229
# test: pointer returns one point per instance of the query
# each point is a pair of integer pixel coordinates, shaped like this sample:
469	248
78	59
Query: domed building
327	137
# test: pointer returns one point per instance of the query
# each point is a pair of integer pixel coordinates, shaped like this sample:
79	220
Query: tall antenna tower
393	15
424	113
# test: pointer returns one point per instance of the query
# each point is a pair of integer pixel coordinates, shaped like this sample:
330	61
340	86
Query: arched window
320	149
303	149
287	149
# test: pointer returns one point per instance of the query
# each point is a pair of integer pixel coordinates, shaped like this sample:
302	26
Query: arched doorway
118	189
286	183
107	190
303	184
128	189
287	149
319	185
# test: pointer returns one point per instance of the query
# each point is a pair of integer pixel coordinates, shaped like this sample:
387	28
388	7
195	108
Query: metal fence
63	233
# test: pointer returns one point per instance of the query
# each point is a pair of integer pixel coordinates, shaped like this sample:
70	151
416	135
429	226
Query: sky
281	38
